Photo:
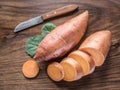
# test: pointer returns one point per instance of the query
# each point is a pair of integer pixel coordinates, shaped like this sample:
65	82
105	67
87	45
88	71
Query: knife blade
39	19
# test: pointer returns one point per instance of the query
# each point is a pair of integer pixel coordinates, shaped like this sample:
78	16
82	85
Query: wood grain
104	14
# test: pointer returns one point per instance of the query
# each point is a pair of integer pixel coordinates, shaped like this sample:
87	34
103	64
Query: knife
40	19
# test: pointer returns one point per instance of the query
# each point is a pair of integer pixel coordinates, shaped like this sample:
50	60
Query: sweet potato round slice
30	69
55	71
84	60
72	70
97	45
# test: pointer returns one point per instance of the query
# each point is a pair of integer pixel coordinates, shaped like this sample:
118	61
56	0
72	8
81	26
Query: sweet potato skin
63	38
97	45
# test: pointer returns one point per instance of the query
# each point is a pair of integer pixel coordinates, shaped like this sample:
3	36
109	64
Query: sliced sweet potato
72	70
97	45
84	60
55	71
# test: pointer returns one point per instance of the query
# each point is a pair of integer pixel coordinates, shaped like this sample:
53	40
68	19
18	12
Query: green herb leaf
33	42
48	27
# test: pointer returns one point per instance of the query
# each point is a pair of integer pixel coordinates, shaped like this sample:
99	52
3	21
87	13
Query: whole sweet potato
63	38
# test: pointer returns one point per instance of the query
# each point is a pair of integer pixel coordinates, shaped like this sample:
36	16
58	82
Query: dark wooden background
104	14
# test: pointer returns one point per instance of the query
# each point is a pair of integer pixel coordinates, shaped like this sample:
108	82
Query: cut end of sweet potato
30	69
55	71
84	61
92	66
95	55
97	45
72	70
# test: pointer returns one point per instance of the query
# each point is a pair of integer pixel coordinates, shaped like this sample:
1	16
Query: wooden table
104	14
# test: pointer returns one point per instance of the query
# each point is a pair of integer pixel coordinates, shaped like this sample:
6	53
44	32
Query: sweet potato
97	45
72	69
55	71
84	60
63	38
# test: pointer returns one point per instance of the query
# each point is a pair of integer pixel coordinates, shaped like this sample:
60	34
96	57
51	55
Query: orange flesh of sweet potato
97	45
63	38
55	71
72	70
84	60
92	65
30	69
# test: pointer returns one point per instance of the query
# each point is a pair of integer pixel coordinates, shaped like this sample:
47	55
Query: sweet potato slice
30	69
72	70
63	38
97	45
55	71
84	60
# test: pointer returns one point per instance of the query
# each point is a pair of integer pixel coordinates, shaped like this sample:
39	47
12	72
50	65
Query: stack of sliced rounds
90	54
72	69
84	61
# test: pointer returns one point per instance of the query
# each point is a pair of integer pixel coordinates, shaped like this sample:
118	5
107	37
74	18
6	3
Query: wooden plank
104	14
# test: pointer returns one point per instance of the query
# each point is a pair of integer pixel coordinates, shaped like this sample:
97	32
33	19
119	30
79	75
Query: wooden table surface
104	14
